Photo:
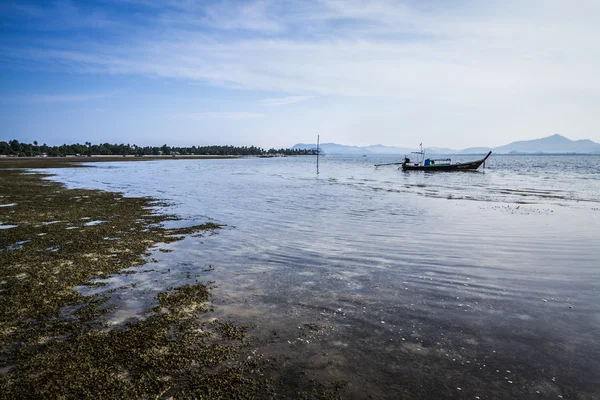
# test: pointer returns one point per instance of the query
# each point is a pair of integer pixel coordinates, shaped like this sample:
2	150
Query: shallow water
401	285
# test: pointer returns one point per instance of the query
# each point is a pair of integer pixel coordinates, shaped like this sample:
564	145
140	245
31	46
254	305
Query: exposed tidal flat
356	283
57	343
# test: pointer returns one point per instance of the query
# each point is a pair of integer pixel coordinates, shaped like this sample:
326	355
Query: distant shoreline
32	162
101	157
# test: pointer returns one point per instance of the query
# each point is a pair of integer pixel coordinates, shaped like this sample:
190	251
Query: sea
378	283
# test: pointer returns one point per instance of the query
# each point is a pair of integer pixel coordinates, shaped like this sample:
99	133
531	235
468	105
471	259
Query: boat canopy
439	161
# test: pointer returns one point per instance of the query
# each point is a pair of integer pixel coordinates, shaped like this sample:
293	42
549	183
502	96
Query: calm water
400	285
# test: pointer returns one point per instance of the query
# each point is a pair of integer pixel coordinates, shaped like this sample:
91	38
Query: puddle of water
17	245
8	226
181	224
94	223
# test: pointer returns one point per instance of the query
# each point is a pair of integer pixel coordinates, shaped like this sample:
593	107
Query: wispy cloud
375	48
218	115
60	16
69	98
281	101
251	16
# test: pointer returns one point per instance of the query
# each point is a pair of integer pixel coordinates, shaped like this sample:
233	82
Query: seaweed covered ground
56	343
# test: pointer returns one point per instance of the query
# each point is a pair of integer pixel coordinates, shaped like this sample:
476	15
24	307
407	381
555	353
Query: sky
452	74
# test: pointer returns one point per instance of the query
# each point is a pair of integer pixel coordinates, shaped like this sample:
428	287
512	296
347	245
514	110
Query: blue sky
274	73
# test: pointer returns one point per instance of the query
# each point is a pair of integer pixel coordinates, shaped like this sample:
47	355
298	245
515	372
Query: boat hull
468	166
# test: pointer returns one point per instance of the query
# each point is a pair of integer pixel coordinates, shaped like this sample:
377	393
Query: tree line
15	148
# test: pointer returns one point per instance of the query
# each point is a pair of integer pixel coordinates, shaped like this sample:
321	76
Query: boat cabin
441	161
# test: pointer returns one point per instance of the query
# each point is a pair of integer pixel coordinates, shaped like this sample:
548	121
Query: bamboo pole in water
317	154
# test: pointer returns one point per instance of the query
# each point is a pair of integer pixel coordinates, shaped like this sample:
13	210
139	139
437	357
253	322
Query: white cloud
281	101
395	50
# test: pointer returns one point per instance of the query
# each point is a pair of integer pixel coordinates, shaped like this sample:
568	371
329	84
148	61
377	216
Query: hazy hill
334	148
551	144
475	150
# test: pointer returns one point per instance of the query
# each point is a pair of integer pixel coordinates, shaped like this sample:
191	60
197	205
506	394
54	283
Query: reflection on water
398	285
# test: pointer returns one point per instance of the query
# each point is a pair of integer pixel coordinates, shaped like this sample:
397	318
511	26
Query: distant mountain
334	148
475	150
550	144
304	146
554	144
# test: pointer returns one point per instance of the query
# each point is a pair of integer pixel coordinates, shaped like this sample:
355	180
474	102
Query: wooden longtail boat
441	164
428	164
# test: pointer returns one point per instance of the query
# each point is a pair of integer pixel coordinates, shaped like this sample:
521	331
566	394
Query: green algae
55	342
